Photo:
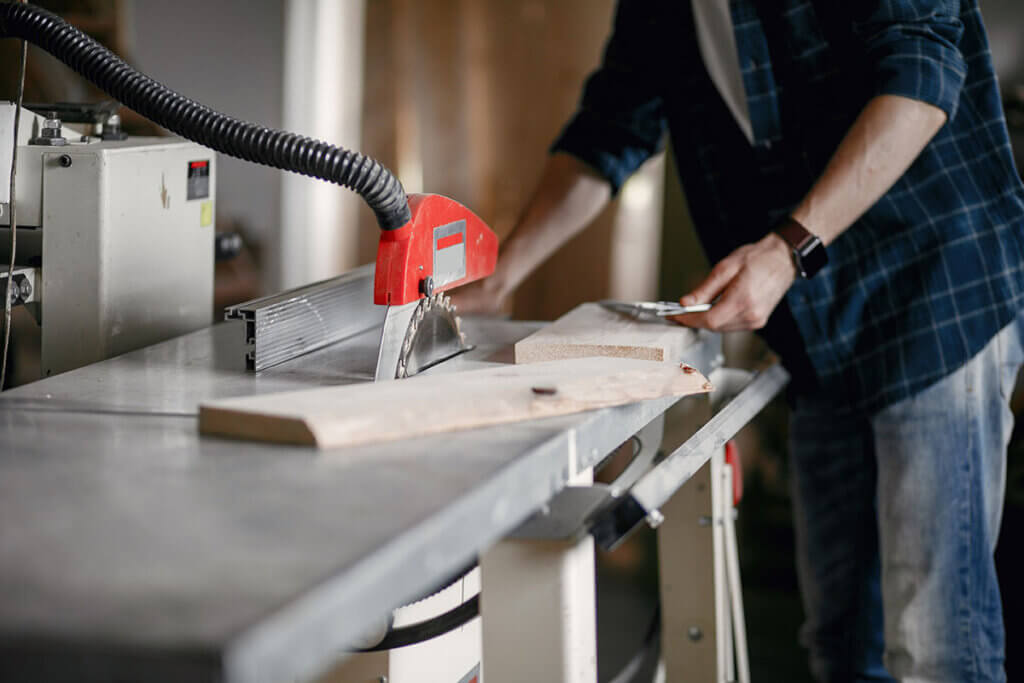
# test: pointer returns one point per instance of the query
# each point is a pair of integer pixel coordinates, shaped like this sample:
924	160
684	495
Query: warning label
473	676
198	179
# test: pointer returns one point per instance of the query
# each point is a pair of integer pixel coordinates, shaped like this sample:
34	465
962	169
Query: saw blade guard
443	246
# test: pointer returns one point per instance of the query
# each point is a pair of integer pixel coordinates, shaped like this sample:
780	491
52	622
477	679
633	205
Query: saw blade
419	335
434	335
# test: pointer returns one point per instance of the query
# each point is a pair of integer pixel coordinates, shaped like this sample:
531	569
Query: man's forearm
881	145
568	197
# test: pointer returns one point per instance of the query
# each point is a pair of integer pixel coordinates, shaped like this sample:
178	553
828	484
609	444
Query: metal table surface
133	548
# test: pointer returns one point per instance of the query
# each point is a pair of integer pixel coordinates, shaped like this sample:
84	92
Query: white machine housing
122	232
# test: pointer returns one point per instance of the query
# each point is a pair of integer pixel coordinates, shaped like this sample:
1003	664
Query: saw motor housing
444	245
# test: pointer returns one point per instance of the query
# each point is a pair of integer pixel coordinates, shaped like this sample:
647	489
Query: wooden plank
591	330
353	414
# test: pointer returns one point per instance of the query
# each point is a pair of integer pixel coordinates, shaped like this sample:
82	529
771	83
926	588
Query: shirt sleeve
620	122
911	48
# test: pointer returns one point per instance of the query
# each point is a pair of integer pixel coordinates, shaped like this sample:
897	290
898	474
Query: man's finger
714	283
724	316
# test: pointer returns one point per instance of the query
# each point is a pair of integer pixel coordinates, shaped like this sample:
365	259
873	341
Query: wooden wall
463	98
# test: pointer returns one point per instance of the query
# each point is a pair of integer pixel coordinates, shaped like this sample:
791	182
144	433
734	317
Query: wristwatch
809	253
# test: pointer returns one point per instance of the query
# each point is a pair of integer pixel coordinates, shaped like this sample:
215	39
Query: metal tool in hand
652	309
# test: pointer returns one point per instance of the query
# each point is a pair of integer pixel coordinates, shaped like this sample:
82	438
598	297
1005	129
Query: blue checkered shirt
930	273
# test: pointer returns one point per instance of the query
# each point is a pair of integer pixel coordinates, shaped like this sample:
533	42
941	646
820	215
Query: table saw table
133	548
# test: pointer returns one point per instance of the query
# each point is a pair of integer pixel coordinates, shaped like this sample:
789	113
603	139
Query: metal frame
284	326
610	512
127	428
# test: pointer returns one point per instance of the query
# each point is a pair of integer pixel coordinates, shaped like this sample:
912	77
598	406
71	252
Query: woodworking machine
135	548
117	234
116	248
443	246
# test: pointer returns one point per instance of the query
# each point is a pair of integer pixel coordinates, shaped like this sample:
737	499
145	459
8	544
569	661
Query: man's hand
481	297
748	283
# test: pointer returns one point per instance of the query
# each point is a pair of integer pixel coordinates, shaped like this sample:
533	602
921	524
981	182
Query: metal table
131	548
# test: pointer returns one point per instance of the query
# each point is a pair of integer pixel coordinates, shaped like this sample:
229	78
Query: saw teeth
436	305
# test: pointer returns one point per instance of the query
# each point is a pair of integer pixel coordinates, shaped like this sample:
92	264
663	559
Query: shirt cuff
922	70
611	150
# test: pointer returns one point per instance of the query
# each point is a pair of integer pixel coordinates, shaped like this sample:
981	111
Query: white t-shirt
717	44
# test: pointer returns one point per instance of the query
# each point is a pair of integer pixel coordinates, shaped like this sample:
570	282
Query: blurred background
463	97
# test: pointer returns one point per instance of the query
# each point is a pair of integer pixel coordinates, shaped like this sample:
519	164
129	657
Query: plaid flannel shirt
931	272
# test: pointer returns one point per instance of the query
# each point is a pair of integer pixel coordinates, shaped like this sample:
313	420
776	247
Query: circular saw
443	246
432	334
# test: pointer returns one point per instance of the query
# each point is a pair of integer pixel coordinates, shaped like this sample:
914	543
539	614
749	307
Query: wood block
353	414
591	330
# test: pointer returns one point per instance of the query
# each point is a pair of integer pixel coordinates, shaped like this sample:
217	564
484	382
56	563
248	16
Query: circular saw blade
434	335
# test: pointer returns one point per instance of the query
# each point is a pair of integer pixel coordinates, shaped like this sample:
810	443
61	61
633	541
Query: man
876	128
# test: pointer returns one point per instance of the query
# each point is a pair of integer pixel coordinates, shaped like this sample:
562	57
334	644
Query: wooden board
354	414
591	330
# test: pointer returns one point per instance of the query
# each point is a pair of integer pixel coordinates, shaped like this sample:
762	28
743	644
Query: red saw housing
444	245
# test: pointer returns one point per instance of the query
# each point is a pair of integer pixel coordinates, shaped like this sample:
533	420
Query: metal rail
284	326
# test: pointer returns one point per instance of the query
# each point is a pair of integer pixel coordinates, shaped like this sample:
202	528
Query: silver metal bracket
25	288
614	523
611	512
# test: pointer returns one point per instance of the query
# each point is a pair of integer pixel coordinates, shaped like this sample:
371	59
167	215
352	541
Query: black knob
226	246
427	286
65	160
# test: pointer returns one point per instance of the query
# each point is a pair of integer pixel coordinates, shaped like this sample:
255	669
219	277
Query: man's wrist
808	251
779	245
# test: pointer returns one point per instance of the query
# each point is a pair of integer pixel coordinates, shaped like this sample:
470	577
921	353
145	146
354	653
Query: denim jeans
897	516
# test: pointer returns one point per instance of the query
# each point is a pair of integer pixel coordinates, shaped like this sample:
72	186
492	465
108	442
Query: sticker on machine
472	677
449	253
198	179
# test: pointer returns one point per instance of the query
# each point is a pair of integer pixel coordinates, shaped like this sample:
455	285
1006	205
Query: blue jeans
897	516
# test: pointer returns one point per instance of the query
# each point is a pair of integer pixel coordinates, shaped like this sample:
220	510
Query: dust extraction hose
194	121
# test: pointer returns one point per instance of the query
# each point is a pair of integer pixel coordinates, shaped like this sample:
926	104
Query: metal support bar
614	522
611	511
284	326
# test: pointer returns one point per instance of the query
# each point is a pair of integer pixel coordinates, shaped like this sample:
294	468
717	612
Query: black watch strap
809	253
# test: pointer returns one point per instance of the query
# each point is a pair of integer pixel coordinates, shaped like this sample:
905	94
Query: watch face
812	257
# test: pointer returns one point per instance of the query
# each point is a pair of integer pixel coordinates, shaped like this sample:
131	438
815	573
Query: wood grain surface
591	330
349	415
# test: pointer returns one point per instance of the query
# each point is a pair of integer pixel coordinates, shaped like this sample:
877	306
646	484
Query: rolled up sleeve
620	122
911	48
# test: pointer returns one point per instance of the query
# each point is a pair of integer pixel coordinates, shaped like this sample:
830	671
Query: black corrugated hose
197	122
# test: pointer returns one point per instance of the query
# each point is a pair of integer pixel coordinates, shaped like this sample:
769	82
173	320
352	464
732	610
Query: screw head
694	633
65	160
655	518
